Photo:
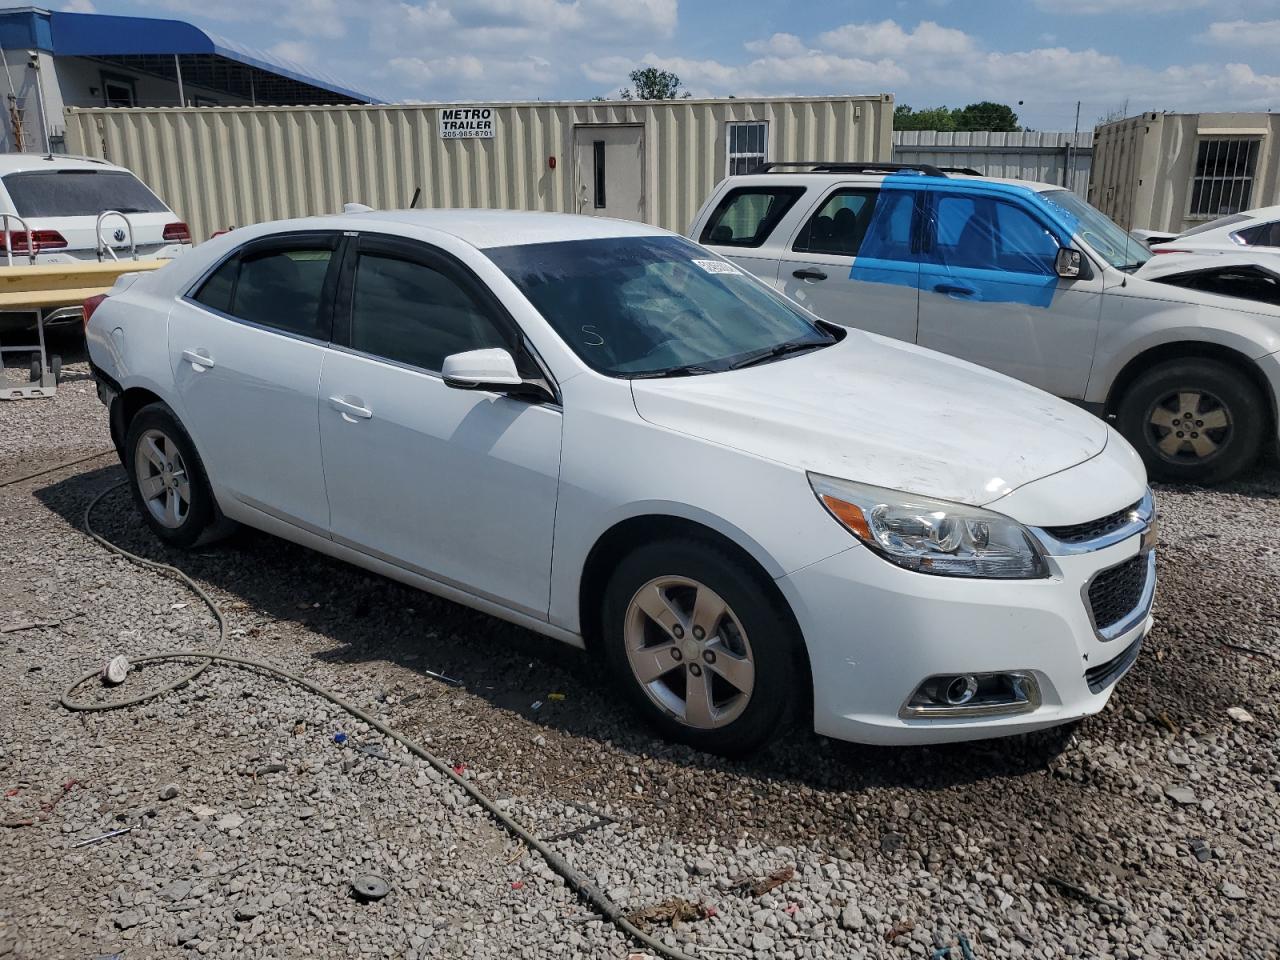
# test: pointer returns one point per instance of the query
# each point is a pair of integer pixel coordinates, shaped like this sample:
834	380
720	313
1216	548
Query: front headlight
932	536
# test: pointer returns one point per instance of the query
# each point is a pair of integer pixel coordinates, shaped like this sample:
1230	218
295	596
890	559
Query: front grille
1105	674
1116	591
1093	529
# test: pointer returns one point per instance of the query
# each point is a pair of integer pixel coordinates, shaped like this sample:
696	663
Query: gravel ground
1150	831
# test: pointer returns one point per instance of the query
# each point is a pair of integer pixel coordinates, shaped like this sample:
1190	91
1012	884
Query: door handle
956	289
198	358
351	408
809	274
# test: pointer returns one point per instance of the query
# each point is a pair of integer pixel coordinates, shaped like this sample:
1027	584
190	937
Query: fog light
973	695
961	690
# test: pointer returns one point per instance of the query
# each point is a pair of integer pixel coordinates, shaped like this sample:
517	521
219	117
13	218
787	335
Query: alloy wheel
689	652
162	479
1188	426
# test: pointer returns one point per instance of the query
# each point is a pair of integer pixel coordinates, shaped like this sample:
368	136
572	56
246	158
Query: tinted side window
985	234
841	223
283	289
216	291
409	312
747	215
1263	235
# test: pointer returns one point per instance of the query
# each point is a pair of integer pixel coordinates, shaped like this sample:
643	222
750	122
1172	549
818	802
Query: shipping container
654	161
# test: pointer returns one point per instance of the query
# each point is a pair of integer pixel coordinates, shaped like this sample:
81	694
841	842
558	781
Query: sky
1113	55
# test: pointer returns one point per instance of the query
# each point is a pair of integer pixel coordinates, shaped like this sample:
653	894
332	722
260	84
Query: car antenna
416	194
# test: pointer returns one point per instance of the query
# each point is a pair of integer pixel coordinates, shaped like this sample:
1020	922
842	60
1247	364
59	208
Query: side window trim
421	252
261	244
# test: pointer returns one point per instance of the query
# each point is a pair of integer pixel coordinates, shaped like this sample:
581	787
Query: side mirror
1068	263
492	369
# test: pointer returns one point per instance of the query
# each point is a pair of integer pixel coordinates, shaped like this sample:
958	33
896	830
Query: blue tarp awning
131	39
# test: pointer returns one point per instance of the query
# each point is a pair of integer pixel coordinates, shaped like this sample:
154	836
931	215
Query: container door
609	166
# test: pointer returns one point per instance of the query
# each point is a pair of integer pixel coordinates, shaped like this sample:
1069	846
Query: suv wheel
699	647
1193	421
167	478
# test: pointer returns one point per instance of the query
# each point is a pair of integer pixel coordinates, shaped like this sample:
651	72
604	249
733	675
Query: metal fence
1059	158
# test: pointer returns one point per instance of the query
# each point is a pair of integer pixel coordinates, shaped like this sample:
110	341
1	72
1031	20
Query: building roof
150	44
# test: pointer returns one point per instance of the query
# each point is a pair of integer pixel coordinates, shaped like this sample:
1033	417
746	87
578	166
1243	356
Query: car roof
23	162
504	228
811	179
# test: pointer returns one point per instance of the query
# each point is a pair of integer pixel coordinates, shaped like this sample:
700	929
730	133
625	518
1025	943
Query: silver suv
1025	278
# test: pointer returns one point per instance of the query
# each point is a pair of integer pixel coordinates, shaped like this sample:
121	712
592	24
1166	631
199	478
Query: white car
1252	231
1025	278
609	435
1246	276
81	209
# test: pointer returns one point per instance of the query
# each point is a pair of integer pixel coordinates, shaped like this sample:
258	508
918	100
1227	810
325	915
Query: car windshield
1100	232
79	193
656	306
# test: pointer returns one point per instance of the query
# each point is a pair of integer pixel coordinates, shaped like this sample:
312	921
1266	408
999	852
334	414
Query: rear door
855	260
456	485
246	345
990	292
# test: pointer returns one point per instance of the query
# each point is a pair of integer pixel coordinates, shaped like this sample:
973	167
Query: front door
854	260
457	485
989	293
246	349
609	167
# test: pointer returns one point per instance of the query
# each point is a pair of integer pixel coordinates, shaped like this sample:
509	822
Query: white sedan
605	433
1252	231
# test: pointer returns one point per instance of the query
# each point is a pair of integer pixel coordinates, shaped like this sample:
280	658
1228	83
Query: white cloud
299	51
1067	7
311	18
887	38
780	44
1245	33
78	6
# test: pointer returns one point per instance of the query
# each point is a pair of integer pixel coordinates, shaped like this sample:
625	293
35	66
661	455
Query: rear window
79	193
747	215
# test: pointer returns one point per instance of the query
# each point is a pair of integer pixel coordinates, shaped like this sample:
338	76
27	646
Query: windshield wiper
779	350
686	370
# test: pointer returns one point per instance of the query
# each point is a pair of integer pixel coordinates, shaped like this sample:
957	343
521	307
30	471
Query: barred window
1223	180
748	146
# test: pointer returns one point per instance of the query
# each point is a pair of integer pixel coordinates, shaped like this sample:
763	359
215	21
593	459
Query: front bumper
875	632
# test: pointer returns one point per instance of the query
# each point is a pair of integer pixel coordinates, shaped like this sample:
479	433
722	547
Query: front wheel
699	647
1194	421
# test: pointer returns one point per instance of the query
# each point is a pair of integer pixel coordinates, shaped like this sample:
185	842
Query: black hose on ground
578	882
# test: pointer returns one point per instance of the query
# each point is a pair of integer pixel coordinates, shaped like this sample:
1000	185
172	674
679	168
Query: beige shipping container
1172	171
645	160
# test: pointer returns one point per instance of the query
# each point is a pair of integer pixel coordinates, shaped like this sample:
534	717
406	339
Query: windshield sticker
717	266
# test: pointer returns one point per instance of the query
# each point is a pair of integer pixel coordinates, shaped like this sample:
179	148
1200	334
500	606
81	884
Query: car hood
882	412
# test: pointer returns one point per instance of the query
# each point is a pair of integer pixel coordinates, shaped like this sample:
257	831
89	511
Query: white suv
1024	278
77	208
608	434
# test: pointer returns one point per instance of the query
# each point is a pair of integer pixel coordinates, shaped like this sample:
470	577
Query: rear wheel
699	647
167	478
1194	421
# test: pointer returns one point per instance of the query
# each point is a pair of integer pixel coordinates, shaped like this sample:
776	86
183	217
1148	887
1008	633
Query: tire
752	641
34	371
55	366
1218	411
159	454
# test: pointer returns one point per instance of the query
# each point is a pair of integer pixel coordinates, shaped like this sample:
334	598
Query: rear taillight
91	305
43	239
177	232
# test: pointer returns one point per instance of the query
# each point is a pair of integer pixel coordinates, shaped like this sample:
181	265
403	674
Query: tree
932	118
986	115
976	116
650	83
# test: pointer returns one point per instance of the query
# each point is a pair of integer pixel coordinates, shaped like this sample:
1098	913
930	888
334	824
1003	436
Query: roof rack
824	166
964	171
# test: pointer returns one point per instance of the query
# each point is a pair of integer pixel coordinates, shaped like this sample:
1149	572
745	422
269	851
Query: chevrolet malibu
607	434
